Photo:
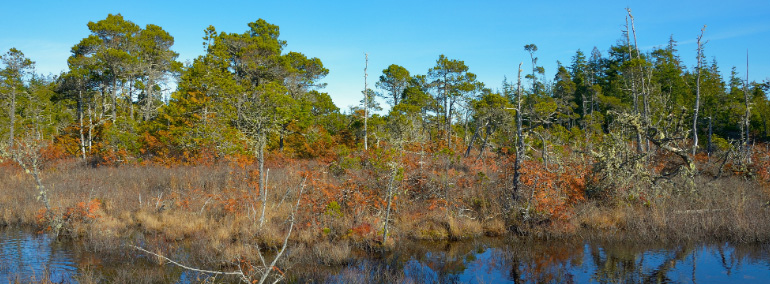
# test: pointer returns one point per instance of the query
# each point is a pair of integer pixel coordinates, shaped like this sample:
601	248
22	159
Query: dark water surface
27	256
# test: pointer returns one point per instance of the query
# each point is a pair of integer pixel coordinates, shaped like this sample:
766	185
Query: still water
27	256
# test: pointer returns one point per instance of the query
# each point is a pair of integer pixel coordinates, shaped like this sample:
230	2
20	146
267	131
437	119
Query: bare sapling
391	184
28	154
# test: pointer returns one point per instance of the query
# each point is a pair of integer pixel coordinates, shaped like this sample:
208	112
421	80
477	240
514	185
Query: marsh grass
218	203
730	209
211	213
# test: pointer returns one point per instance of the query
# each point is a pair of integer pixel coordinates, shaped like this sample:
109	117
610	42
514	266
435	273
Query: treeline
606	148
248	95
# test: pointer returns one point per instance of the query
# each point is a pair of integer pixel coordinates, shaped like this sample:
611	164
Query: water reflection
26	257
559	262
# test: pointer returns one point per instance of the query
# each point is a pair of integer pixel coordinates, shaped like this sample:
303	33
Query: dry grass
494	227
430	225
592	217
328	253
214	210
729	209
219	203
461	228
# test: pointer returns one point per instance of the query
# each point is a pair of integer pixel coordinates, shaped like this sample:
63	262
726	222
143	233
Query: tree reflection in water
481	261
563	262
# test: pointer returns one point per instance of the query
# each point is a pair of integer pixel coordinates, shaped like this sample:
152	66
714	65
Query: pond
27	256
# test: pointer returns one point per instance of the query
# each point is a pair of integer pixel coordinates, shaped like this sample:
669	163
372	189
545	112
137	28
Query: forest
240	153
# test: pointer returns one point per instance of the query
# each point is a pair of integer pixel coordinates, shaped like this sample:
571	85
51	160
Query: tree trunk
747	116
634	92
148	100
366	104
484	142
519	141
114	100
393	173
449	125
130	98
12	116
262	187
645	101
473	139
709	146
90	127
697	95
80	120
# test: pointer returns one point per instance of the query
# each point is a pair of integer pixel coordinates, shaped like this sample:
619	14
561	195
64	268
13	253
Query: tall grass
211	210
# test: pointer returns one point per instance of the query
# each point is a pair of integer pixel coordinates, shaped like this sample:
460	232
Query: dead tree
28	153
634	93
697	93
645	92
366	103
519	140
747	115
391	185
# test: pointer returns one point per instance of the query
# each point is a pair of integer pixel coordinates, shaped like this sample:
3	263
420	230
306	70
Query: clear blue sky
488	35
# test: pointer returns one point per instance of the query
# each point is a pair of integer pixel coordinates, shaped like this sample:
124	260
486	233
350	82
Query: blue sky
488	35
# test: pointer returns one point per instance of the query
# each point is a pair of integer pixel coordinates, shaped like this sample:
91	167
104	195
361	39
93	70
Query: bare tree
697	93
747	116
366	103
634	90
642	81
519	139
391	185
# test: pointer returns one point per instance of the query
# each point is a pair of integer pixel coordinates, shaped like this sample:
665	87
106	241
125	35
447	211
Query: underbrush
213	211
729	210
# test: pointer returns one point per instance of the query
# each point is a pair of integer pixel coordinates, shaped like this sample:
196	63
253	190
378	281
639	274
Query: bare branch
238	273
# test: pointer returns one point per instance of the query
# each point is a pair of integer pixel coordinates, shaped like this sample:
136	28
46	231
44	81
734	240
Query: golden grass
464	228
215	210
603	219
328	253
494	227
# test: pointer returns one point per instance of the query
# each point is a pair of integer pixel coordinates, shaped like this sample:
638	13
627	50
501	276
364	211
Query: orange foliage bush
554	191
68	142
362	230
112	157
83	211
761	159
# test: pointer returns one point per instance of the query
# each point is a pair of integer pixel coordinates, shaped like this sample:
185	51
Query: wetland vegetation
249	172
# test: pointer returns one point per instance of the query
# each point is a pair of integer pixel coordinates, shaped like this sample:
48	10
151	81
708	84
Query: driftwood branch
238	273
265	269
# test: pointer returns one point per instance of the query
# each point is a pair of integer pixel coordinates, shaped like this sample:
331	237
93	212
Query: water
491	261
27	256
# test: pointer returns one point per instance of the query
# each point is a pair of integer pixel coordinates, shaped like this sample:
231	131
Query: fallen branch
266	269
238	273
